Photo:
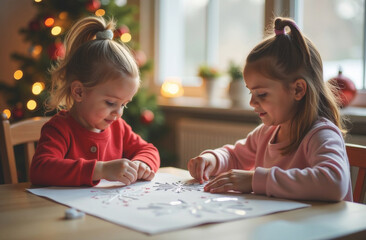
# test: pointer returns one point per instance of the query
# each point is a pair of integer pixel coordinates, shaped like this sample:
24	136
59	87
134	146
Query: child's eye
111	104
262	95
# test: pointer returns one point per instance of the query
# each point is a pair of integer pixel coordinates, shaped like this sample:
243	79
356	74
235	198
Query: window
337	29
193	32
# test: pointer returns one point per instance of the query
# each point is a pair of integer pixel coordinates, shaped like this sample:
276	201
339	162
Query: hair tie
280	32
286	23
295	25
106	34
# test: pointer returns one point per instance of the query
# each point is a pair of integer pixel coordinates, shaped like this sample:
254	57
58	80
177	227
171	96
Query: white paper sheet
166	203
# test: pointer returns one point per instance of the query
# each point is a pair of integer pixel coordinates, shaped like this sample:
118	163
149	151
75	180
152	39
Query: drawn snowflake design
120	196
178	187
229	205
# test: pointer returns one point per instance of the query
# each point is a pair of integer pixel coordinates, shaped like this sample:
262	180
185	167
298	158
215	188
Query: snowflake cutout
229	205
178	187
120	196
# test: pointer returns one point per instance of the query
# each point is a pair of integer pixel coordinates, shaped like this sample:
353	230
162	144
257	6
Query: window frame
295	11
211	49
291	8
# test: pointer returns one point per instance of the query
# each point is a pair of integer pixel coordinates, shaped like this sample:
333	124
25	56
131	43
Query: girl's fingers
200	168
217	182
131	175
222	188
132	170
125	180
134	166
191	168
207	172
141	172
150	176
145	173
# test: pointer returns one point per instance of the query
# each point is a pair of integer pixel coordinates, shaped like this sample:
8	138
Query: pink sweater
318	170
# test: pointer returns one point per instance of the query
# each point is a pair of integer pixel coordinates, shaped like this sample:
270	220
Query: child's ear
300	87
77	90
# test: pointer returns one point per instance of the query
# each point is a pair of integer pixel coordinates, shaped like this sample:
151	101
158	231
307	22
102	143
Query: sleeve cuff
259	182
220	166
87	173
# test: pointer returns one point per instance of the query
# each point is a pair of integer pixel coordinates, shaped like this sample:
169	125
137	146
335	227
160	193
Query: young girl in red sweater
88	140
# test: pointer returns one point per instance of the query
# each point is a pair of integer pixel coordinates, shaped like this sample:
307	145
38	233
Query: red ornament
346	89
56	50
147	117
17	112
121	30
92	5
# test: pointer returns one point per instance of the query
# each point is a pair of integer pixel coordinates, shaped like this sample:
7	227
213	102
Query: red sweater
66	153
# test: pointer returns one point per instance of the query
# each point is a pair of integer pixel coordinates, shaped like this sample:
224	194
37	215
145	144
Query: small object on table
72	213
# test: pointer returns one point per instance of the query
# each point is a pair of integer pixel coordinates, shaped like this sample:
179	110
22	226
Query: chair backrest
357	158
25	132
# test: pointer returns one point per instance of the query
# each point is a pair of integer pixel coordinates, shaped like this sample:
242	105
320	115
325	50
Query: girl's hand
201	167
233	180
144	172
122	170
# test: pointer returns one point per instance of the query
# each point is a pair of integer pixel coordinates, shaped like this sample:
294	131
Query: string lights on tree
45	33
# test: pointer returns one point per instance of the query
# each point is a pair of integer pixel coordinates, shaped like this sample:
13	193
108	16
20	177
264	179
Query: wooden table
27	216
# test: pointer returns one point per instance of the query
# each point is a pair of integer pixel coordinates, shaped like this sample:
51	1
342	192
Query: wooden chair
357	158
25	132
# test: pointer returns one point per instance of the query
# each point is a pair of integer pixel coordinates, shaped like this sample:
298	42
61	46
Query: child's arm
50	167
241	155
202	167
137	149
325	174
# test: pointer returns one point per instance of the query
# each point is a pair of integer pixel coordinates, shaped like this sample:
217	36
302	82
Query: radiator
195	135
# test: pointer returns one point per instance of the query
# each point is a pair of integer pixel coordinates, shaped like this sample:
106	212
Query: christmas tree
45	33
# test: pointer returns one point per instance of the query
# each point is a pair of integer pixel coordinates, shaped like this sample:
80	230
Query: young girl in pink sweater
299	151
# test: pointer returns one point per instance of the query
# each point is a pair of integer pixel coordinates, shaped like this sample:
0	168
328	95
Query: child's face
104	103
270	99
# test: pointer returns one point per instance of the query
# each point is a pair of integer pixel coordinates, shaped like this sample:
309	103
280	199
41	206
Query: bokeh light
126	37
49	22
36	50
37	88
100	12
31	104
7	112
18	74
56	30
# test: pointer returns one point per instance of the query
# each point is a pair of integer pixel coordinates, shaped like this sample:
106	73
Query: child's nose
118	111
253	102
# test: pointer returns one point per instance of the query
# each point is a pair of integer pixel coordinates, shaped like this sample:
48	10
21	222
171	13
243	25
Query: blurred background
190	53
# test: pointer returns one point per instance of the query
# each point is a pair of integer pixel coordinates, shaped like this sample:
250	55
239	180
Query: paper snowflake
120	196
178	187
228	205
